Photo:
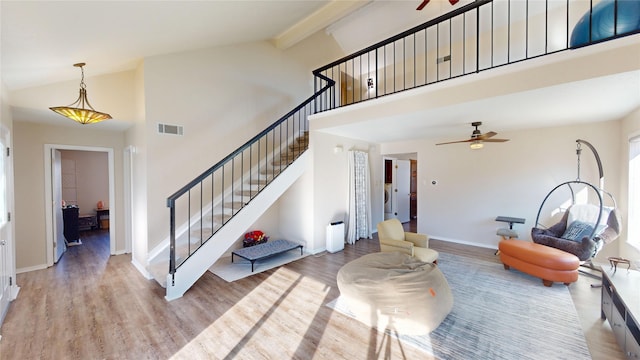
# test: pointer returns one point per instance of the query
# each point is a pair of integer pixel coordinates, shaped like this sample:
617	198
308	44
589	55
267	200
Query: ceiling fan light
476	145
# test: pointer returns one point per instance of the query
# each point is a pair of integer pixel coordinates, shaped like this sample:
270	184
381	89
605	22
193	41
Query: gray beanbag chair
395	291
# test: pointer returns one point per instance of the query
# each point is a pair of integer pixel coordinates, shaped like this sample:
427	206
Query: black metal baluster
201	228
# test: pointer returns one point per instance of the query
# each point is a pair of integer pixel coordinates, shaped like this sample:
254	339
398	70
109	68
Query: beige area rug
499	314
241	268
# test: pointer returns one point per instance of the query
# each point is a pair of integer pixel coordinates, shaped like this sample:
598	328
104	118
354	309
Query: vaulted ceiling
41	39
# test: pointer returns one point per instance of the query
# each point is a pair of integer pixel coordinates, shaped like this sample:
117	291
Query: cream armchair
393	238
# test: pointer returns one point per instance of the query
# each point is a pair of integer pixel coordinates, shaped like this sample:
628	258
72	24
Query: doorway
53	204
403	171
8	289
400	187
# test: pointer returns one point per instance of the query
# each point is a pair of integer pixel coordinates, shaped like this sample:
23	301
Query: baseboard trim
31	268
141	269
316	251
14	292
462	242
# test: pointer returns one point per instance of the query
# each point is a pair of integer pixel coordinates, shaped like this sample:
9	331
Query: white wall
136	139
330	181
29	141
223	97
296	215
510	179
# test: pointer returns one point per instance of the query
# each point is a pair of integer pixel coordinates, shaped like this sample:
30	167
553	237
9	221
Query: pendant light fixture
77	111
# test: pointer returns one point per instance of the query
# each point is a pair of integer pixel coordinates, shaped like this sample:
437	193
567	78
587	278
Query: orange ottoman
547	263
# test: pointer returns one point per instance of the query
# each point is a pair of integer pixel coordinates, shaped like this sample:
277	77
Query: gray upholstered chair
393	238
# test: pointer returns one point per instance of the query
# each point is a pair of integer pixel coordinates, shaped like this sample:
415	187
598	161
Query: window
633	221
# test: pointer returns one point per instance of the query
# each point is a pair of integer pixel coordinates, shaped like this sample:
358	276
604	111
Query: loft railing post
377	76
509	31
615	17
568	37
315	90
478	39
590	20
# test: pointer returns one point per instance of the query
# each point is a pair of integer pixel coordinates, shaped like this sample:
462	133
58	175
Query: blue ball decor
602	26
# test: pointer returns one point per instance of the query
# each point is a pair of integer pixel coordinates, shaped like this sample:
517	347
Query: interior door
403	189
413	189
5	232
349	87
56	191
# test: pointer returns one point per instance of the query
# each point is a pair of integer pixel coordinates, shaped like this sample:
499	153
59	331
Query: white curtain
359	222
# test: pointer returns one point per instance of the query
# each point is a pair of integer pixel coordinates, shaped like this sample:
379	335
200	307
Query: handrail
171	199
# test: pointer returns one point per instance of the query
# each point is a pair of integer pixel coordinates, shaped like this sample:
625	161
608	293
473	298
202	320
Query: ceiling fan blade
486	135
455	142
422	5
476	136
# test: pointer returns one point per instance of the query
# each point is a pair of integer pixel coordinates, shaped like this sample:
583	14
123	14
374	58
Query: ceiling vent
170	129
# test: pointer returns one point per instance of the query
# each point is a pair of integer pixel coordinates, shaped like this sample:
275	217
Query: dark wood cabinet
413	190
71	219
388	171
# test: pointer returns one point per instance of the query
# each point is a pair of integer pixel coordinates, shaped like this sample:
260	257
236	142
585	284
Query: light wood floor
93	306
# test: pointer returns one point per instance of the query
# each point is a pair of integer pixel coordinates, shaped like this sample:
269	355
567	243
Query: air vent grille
444	59
170	129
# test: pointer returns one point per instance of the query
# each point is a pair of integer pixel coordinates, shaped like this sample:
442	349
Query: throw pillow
577	230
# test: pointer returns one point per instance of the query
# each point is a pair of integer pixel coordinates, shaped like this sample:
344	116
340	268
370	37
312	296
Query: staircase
225	220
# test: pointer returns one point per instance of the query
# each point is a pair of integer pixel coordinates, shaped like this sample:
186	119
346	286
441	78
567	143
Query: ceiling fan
425	2
478	139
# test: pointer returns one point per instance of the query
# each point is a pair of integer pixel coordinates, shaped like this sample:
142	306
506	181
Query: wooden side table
99	214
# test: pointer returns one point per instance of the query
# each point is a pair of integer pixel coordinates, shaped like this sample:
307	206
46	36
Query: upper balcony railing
482	35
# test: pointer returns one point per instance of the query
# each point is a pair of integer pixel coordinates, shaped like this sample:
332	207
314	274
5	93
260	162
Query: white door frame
128	153
59	246
48	198
7	263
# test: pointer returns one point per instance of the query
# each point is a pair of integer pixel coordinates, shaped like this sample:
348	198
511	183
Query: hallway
87	259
